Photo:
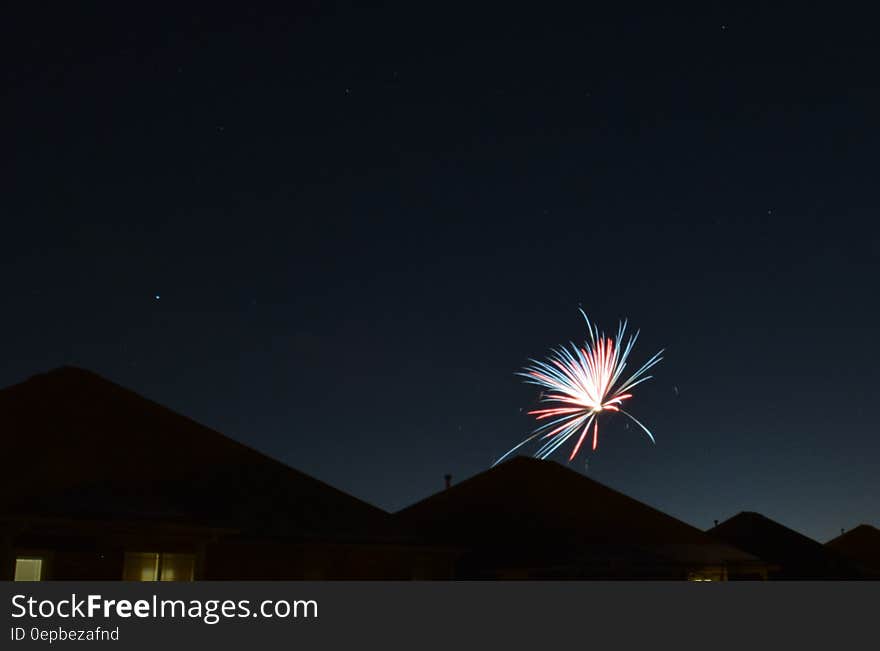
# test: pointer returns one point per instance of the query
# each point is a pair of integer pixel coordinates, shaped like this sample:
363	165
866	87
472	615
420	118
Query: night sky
335	235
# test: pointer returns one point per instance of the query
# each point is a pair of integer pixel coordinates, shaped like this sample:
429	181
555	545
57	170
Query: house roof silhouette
862	545
81	446
797	556
531	513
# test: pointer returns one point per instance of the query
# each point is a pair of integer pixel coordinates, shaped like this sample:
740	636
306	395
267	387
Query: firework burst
583	383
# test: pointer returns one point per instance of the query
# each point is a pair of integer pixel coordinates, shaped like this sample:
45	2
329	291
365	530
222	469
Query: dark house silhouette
536	519
860	545
101	483
793	555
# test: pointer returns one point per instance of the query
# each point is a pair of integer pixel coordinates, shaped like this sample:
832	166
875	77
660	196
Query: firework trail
583	383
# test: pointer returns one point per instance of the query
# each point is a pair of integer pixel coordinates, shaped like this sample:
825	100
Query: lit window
153	566
141	567
29	569
177	567
708	574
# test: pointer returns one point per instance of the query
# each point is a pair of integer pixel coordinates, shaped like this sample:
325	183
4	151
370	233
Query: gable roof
527	511
83	446
798	556
861	544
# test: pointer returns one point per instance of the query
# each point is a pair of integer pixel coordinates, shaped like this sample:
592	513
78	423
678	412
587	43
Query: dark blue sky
360	221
